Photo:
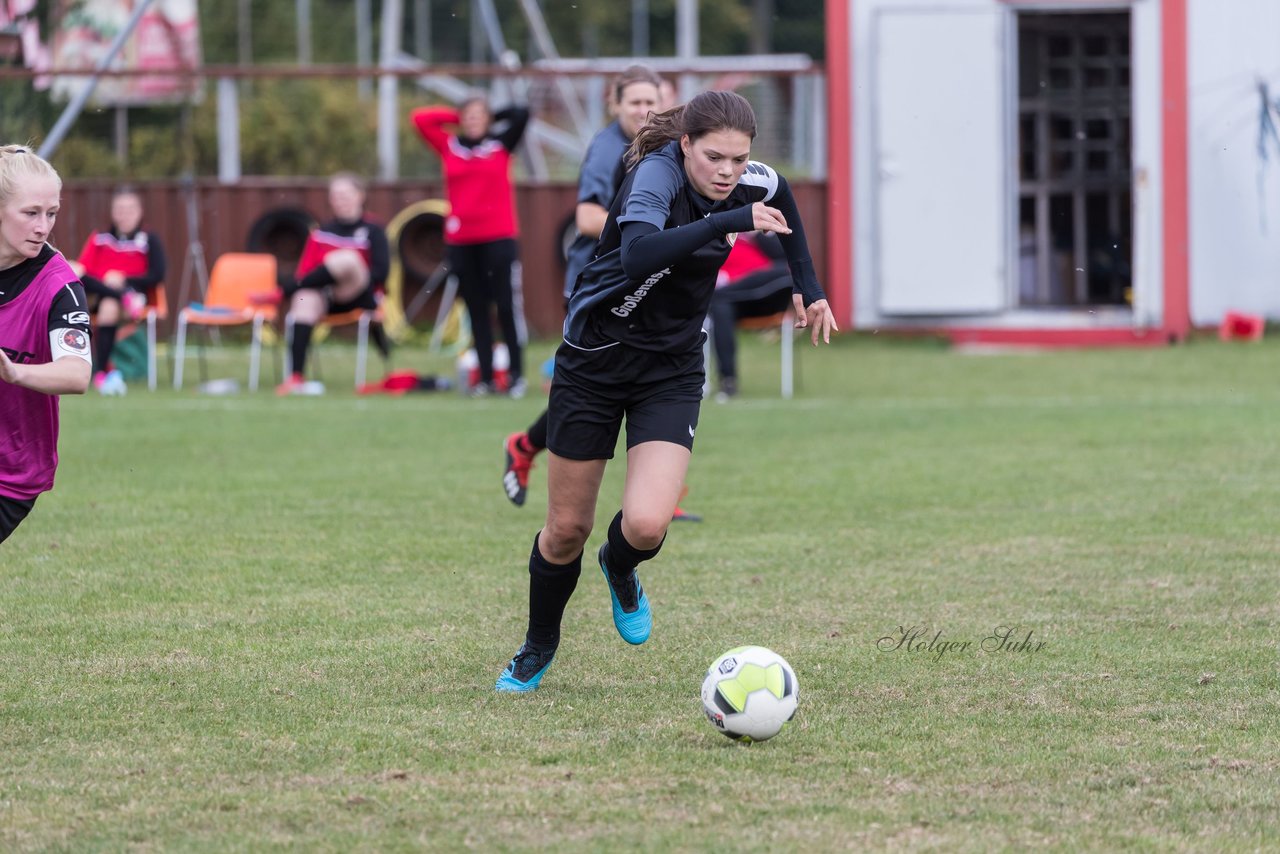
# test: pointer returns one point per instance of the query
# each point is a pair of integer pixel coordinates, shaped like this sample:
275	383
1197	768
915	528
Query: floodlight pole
72	111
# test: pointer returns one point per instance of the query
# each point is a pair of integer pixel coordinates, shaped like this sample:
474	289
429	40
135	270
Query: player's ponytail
706	113
18	164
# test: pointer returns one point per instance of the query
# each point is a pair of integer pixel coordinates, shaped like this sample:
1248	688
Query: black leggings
755	295
12	512
484	280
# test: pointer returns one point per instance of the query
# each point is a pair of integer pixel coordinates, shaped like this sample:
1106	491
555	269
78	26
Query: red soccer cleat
515	478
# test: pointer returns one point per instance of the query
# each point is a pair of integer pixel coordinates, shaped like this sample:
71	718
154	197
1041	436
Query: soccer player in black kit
633	350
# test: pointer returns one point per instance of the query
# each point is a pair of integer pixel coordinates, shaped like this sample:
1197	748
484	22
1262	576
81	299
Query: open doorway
1075	182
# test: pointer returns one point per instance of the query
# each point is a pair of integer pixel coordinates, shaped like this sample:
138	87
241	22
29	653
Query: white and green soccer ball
750	693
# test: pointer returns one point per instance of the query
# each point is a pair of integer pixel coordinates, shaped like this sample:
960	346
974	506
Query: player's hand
817	318
114	279
8	370
765	218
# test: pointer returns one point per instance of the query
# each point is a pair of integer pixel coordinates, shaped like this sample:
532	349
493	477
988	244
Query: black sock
298	349
537	433
621	558
550	586
106	340
380	340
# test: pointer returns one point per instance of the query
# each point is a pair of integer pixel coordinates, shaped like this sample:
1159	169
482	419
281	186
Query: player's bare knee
307	307
645	530
347	265
563	538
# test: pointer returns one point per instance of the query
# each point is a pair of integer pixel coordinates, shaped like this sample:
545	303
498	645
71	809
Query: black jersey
68	310
664	310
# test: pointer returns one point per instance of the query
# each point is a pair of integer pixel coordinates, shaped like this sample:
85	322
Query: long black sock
106	342
537	433
380	340
298	350
620	557
550	586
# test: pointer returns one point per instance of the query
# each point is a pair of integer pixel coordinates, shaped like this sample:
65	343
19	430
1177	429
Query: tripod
194	266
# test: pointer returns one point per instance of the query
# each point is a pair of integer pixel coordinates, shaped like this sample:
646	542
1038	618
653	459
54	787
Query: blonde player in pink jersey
44	332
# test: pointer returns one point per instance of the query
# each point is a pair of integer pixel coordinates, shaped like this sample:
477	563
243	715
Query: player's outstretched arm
67	375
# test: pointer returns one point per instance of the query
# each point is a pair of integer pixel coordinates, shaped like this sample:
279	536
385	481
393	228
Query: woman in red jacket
475	147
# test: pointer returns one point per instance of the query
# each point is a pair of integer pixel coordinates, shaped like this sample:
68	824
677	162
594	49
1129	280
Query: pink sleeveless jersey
29	419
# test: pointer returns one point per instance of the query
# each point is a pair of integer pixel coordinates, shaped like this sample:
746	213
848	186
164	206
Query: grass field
246	623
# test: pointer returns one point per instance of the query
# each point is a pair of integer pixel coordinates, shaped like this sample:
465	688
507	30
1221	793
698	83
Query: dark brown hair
706	113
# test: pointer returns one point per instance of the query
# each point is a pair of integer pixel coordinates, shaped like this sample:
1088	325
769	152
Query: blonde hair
19	164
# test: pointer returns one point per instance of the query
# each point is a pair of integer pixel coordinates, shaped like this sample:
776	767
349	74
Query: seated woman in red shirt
342	265
119	267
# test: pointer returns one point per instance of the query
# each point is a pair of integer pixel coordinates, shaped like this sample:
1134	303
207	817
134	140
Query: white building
1054	172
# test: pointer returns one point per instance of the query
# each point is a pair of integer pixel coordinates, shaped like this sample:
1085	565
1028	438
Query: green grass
246	623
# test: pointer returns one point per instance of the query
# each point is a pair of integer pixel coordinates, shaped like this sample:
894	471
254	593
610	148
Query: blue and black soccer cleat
631	615
525	670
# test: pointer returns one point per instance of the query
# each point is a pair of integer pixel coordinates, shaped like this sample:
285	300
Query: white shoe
113	385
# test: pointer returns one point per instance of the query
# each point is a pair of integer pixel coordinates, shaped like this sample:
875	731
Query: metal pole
687	43
639	27
364	46
388	120
244	33
122	134
304	31
228	131
422	29
72	111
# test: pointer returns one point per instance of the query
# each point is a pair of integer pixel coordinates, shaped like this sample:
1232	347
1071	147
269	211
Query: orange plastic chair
362	317
236	279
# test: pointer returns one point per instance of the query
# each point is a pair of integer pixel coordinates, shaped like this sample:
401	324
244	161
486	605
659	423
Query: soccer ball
750	693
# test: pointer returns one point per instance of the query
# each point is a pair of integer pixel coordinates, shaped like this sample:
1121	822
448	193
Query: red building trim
1173	103
839	47
1059	338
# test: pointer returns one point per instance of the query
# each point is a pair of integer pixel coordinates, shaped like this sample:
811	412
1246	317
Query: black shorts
367	299
12	512
659	394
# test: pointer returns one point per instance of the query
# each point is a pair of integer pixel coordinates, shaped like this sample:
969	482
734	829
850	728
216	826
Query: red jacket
482	203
